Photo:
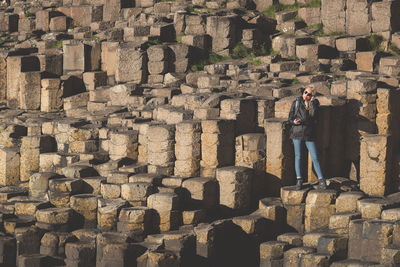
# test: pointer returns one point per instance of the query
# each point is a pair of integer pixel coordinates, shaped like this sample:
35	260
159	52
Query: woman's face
307	94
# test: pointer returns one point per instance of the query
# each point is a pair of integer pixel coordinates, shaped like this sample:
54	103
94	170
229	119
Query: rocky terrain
145	133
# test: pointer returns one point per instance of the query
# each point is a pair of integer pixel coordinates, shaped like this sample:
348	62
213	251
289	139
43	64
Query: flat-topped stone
321	197
291	196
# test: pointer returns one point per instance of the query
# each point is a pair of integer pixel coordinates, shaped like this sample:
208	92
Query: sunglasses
307	93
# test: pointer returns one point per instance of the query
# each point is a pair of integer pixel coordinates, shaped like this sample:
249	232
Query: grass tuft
255	62
271	11
179	37
375	42
28	14
59	44
394	50
151	43
238	52
321	33
295	80
318	26
274	52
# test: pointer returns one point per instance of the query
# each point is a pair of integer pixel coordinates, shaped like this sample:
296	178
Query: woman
302	116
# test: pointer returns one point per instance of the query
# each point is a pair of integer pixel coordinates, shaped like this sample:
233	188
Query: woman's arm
291	113
314	107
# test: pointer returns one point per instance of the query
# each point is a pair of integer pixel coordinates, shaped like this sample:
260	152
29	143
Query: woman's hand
297	121
312	98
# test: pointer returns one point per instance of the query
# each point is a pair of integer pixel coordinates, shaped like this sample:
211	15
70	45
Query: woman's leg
311	146
297	158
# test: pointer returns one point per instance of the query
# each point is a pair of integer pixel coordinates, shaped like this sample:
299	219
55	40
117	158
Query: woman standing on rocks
302	117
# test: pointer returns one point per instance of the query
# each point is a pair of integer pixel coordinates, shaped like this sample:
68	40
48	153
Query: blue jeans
311	146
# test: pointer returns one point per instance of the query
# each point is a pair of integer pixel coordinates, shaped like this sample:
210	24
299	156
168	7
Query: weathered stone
203	190
235	187
9	166
163	202
333	16
279	153
374	172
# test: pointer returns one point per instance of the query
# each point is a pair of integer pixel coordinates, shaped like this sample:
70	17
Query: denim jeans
311	146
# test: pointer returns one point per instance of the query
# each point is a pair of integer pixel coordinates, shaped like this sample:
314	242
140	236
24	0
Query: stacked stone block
29	90
286	22
203	196
389	66
9	22
3	71
294	203
81	56
319	207
123	145
80	253
60	190
137	192
136	31
271	253
310	15
366	234
39	184
50	96
265	110
279	153
187	149
251	38
375	164
30	150
362	114
195	24
94	79
86	206
108	58
53	244
384	105
107	213
217	150
143	142
250	153
130	63
84	15
136	218
181	57
167	206
382	16
55	219
235	187
242	111
112	248
161	156
158	64
23	82
9	166
359	17
223	31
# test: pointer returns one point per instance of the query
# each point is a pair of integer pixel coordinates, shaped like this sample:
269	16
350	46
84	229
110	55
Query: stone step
333	245
342	220
293	239
295	256
271	253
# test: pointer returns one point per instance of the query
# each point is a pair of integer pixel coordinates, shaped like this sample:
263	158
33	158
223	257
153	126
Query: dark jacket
306	129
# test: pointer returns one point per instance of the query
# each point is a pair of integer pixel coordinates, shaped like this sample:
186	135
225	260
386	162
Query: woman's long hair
307	103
